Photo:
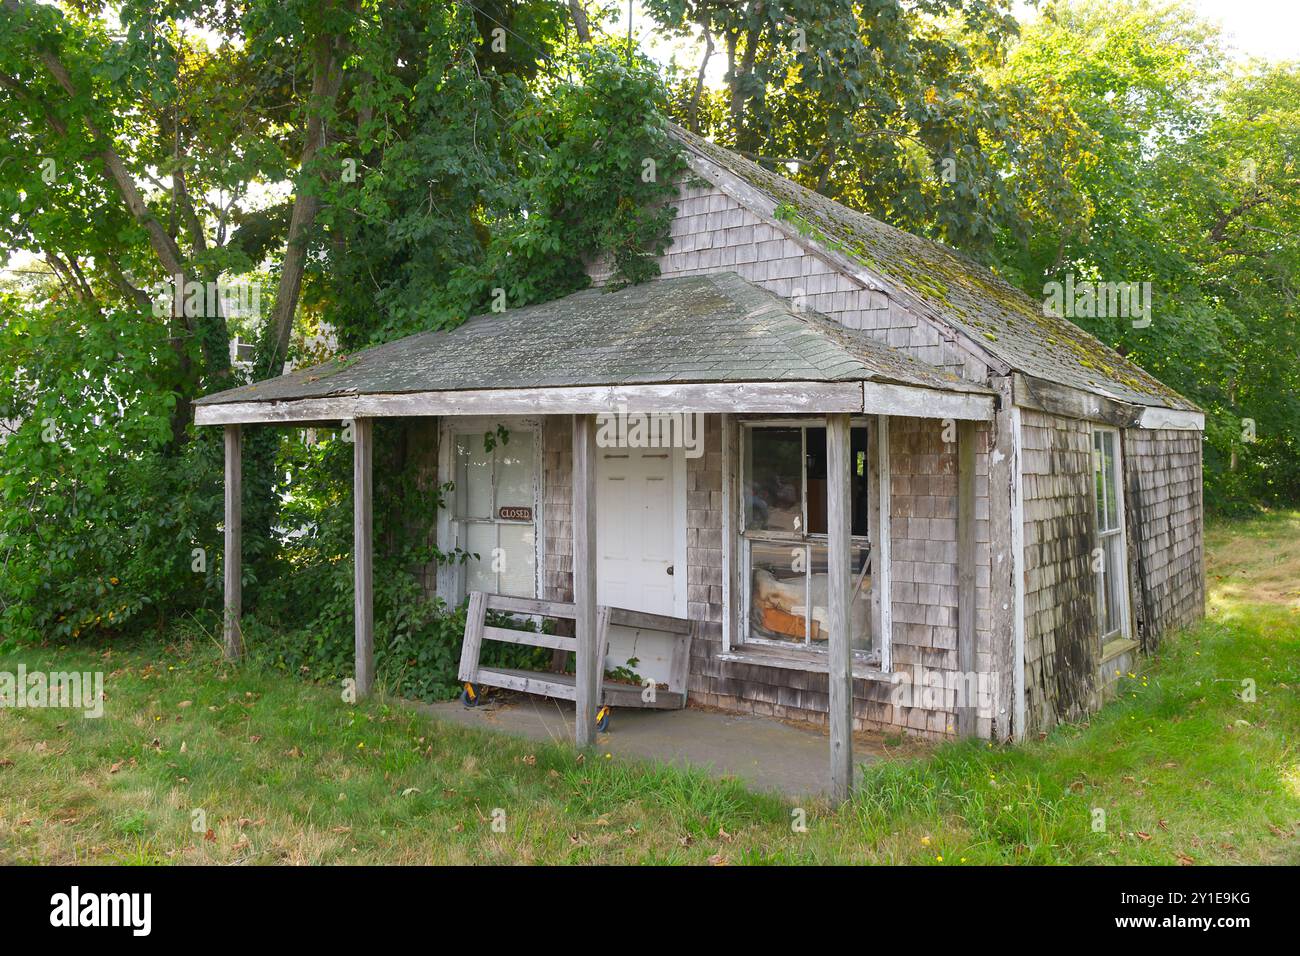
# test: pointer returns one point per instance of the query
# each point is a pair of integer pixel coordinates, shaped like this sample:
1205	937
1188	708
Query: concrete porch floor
763	753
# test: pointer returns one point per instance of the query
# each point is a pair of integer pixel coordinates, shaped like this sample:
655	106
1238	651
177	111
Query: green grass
285	772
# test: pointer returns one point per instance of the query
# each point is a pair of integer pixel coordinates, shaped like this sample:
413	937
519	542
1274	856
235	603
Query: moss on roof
701	329
991	312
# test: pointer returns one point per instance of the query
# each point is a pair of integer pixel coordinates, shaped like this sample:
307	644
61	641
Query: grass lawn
285	772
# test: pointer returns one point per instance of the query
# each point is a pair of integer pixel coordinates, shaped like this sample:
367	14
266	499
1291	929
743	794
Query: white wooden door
641	529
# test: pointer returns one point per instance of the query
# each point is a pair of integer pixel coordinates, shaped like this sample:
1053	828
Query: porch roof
664	343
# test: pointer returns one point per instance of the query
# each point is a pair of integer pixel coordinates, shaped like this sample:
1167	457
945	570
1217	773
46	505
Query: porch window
784	539
1112	578
494	509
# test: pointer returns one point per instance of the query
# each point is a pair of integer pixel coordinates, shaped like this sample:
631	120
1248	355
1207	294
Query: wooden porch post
584	577
966	710
232	636
839	595
362	459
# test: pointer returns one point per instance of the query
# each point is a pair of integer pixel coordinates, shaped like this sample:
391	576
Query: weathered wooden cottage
821	469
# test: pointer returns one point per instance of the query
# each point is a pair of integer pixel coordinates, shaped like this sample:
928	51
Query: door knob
670	569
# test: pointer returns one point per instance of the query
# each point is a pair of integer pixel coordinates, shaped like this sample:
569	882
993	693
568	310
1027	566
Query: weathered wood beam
839	568
1018	574
708	398
969	683
584	579
232	564
909	401
362	548
472	644
1172	418
756	397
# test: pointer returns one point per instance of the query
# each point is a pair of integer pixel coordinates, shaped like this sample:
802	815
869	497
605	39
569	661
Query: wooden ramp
558	683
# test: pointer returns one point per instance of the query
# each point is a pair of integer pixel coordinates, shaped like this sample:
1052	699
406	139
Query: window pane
778	596
773	479
473	477
480	539
515	471
817	480
1099	480
816	451
1114	584
860	611
518	562
861	506
1112	477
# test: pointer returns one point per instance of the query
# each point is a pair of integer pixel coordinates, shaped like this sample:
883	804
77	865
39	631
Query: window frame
744	638
1120	531
452	576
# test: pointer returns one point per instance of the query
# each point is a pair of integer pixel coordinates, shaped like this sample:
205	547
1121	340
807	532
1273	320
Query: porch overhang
693	344
873	398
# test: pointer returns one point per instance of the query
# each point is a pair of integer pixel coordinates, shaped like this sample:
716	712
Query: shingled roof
944	285
714	328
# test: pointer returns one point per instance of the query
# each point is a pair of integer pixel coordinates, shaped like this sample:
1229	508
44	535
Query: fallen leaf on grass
6	762
717	860
340	829
116	767
210	836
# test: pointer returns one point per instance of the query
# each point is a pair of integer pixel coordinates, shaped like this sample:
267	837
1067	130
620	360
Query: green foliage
97	524
519	192
1189	181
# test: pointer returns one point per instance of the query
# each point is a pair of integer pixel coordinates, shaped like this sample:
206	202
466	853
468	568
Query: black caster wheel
470	695
602	720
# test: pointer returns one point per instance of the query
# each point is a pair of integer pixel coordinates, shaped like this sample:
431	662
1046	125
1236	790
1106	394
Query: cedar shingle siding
1062	649
1166	545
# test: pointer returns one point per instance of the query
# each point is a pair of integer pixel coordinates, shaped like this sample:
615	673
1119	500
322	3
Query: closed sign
515	513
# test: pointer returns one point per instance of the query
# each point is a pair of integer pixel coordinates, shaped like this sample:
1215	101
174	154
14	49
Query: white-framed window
783	540
1111	559
493	509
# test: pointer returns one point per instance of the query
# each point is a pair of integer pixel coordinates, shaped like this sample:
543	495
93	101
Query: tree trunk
327	76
